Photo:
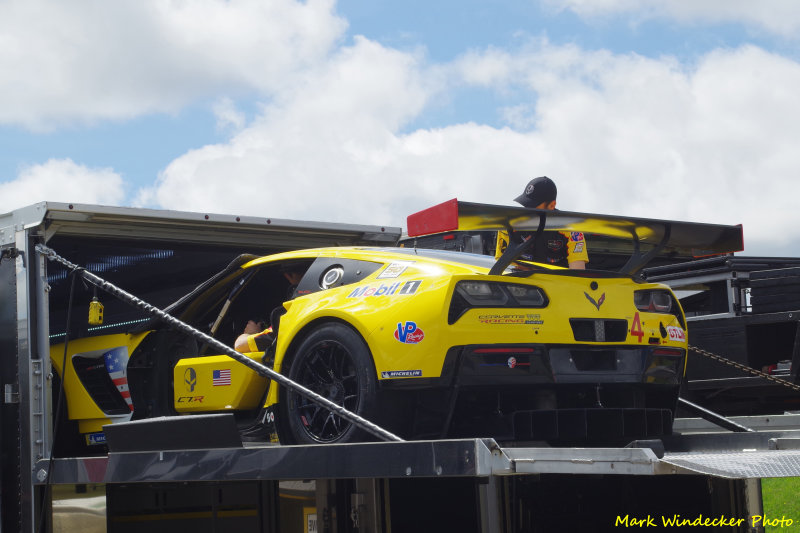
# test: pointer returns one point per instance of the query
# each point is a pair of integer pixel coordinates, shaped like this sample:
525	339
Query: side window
328	272
266	289
263	289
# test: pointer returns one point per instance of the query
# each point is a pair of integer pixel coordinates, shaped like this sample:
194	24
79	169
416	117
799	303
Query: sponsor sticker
536	320
400	288
408	333
510	319
190	399
578	248
96	438
501	319
221	378
676	334
395	269
576	236
401	374
513	362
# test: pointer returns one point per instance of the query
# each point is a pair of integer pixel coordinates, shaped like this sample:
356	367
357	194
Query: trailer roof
97	221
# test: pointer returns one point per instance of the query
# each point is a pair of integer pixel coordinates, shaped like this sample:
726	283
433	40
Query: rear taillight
482	294
503	350
669	352
653	301
527	296
470	294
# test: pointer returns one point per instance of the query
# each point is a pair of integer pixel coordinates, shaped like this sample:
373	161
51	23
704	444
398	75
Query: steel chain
744	368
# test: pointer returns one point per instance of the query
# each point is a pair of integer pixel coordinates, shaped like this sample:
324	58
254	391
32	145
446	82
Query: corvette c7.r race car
426	343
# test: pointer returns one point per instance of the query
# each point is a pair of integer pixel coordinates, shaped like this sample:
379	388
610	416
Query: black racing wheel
335	362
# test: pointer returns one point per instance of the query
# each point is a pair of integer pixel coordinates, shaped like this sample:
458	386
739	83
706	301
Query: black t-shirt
551	247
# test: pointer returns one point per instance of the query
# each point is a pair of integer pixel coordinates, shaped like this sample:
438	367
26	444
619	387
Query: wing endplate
436	219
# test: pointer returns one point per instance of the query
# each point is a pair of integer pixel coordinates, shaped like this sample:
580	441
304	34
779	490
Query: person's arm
241	344
577	254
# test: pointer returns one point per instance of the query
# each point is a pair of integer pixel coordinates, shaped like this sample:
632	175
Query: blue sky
365	111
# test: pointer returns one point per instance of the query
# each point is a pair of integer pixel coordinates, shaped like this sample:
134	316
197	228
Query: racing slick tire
335	362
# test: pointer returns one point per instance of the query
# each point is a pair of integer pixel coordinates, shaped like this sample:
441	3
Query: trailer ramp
730	456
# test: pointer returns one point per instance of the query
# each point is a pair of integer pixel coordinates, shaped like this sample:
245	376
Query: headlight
653	301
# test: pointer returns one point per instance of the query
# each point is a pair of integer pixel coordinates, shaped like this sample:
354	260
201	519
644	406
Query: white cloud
333	150
713	142
781	17
62	180
623	134
228	116
319	152
97	60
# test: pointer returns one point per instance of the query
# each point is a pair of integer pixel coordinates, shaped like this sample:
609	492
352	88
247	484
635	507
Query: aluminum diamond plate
740	465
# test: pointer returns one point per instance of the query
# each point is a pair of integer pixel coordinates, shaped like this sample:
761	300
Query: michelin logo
96	438
401	374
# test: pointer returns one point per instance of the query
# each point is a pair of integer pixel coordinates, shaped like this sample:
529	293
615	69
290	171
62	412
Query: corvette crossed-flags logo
597	303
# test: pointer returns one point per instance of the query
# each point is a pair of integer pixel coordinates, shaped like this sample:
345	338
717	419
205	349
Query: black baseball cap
538	190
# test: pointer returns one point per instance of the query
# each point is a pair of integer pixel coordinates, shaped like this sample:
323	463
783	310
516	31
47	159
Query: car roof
469	261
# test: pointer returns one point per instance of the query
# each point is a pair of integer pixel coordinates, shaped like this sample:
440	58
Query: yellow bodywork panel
405	319
216	383
80	404
93	425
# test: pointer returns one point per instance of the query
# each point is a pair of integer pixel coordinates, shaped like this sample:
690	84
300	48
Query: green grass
781	497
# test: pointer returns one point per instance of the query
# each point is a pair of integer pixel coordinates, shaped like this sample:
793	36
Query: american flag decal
222	377
116	361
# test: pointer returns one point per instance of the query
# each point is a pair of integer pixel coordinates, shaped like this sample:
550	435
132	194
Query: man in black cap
540	193
562	248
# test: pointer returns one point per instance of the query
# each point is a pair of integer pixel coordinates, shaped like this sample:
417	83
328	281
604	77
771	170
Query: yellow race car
426	343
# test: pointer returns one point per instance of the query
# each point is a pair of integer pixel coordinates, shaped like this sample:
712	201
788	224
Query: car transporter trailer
208	480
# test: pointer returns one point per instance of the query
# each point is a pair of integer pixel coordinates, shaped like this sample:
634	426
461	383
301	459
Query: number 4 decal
636	328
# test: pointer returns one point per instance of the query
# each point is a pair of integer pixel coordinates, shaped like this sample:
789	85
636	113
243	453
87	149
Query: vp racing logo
408	333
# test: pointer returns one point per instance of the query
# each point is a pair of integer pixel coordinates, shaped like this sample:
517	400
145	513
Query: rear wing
648	237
